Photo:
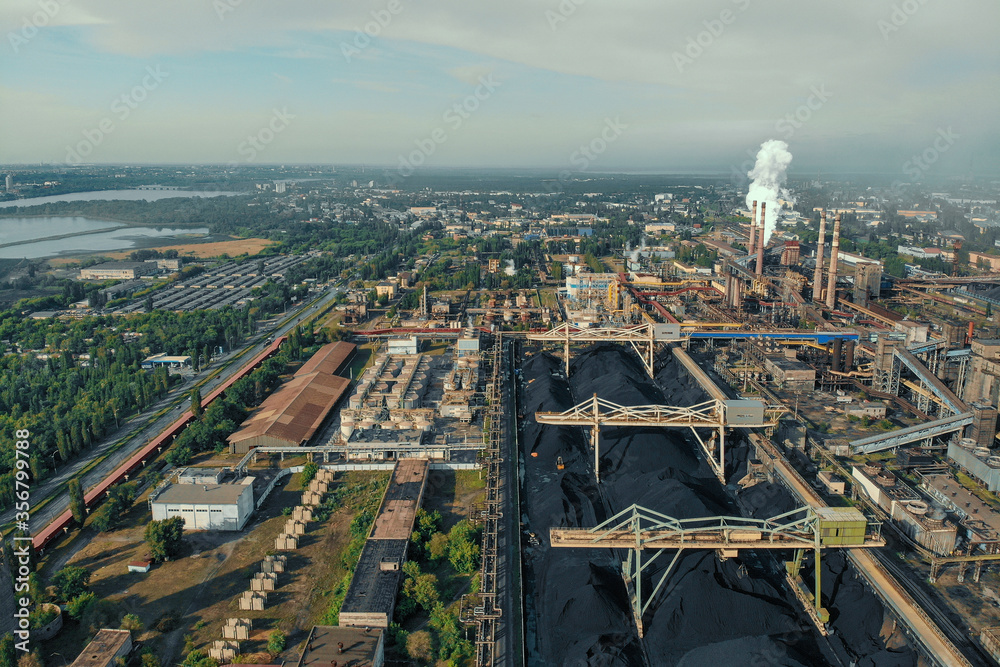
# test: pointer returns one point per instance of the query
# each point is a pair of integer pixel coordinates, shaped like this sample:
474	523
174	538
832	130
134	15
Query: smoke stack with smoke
768	181
761	241
818	275
831	283
753	228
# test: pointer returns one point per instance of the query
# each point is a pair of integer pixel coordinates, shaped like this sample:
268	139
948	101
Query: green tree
420	646
76	503
132	623
8	654
463	552
196	408
164	538
309	471
437	546
70	582
276	642
79	605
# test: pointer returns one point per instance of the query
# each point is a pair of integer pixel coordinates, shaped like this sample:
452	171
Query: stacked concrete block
285	542
311	498
263	581
295	527
224	651
236	628
253	600
274	563
302	513
319	487
325	475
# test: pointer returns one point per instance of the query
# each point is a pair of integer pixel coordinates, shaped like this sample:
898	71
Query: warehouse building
206	506
119	271
294	412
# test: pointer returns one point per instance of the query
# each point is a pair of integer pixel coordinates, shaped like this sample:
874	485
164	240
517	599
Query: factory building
328	645
225	506
119	271
294	412
790	374
404	345
371	597
106	649
925	523
980	462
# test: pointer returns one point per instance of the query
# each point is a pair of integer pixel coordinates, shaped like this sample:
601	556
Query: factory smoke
768	180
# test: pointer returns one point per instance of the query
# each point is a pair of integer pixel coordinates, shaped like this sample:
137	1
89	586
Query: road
139	430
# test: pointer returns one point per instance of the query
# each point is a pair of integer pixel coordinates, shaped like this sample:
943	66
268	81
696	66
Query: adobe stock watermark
381	18
223	7
122	107
898	17
454	117
30	25
919	164
714	28
792	121
584	156
255	143
565	9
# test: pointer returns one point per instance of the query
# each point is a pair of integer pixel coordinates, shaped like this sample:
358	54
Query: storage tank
917	507
423	425
405	425
347	428
367	424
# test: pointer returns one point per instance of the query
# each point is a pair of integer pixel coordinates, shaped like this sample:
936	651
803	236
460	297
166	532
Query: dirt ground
203	586
453	493
212	249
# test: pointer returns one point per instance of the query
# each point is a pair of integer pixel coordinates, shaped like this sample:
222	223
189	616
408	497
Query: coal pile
736	612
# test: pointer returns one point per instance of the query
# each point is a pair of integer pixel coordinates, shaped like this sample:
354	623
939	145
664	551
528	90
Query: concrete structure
119	271
833	483
403	345
924	523
978	462
201	476
790	374
385	288
327	645
105	649
869	409
206	506
831	282
371	597
817	293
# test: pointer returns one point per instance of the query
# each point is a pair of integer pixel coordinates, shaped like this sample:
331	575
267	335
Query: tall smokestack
818	275
753	228
760	242
831	283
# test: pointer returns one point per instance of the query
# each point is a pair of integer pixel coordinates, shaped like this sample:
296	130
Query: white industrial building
206	506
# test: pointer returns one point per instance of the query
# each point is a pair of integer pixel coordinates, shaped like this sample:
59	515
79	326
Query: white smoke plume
768	181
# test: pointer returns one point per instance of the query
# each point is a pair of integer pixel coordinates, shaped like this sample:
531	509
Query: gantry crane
638	529
715	414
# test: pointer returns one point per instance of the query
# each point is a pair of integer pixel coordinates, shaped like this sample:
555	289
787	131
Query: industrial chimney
818	275
831	283
753	228
760	241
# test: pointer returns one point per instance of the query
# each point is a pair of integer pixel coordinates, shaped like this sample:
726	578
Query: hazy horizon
902	89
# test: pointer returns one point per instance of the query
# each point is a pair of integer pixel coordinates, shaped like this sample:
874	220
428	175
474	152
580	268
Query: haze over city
852	87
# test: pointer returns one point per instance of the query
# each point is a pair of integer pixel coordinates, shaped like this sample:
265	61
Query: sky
908	88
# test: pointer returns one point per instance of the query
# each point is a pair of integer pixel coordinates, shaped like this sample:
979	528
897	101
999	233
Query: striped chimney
753	228
831	283
760	241
818	275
